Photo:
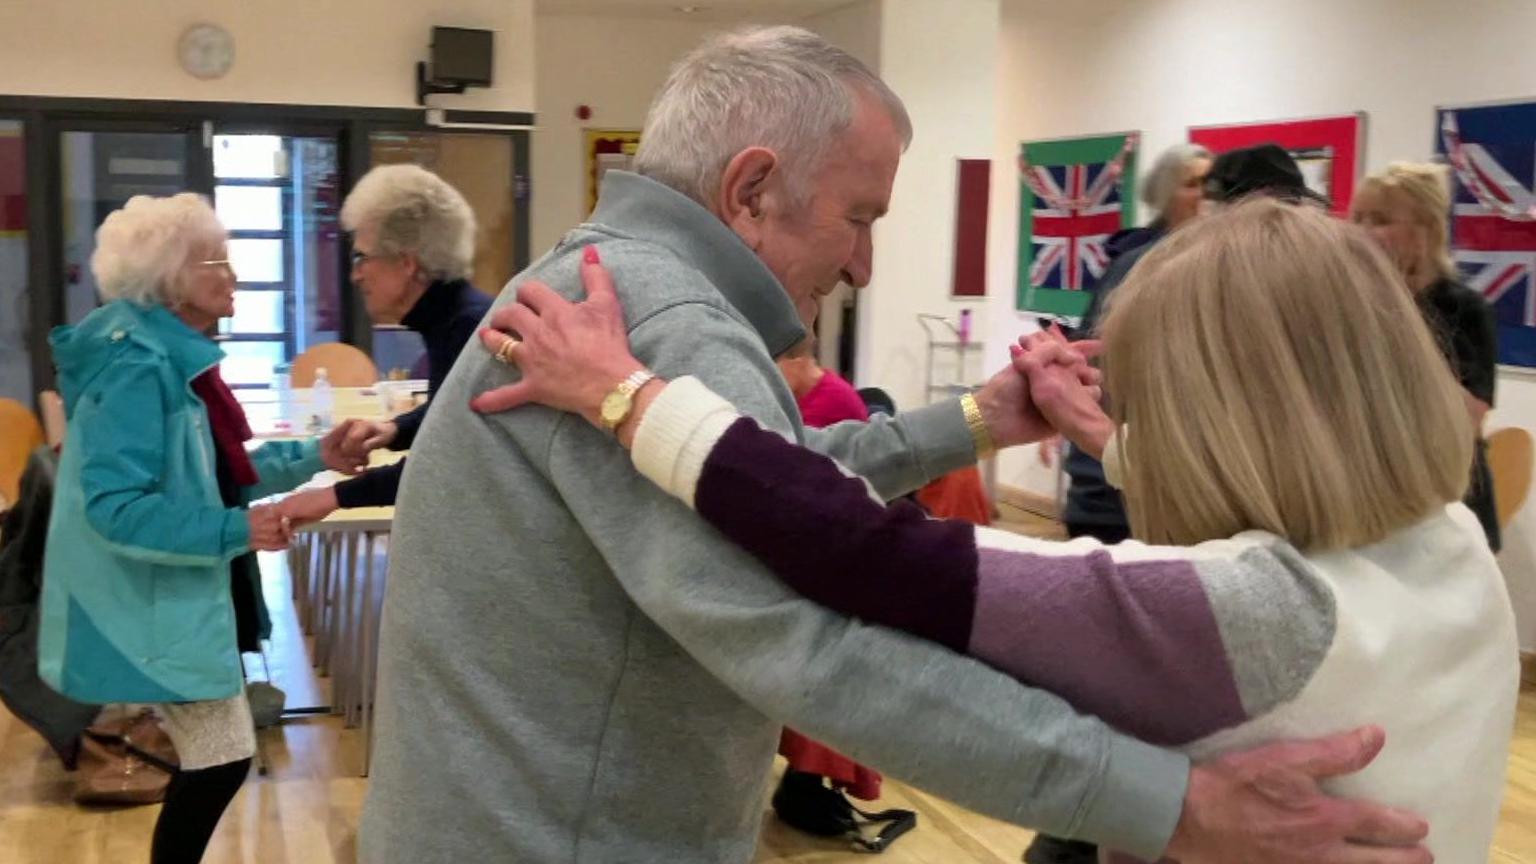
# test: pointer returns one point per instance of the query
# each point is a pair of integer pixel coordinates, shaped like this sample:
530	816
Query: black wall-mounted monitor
462	57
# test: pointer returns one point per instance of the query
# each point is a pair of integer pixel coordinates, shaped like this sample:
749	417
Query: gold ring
504	353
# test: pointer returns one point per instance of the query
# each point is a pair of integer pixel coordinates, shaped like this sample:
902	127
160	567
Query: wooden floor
306	810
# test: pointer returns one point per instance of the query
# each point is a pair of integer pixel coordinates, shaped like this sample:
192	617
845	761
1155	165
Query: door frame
46	118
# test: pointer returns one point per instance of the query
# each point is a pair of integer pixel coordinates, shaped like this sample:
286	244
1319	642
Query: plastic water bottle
322	401
282	375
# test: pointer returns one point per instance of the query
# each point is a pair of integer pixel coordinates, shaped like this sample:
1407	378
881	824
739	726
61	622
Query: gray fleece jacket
575	668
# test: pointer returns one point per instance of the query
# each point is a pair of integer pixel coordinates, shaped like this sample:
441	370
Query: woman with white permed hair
150	533
413	241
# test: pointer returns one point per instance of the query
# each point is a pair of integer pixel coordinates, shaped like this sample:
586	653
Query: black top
1463	323
446	316
1094	507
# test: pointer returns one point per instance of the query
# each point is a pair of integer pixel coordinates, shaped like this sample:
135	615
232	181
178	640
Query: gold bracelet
978	426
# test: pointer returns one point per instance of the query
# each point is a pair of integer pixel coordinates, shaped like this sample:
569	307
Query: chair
51	404
20	434
345	366
1510	455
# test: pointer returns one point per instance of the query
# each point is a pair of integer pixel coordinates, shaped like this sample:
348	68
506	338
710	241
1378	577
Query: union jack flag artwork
1492	153
1073	195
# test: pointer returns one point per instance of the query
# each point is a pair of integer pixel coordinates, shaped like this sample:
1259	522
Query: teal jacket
136	602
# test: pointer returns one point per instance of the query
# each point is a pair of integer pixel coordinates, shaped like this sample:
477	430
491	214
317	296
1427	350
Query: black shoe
1054	850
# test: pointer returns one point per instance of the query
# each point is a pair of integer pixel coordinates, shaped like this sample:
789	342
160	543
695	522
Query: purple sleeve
1136	643
821	532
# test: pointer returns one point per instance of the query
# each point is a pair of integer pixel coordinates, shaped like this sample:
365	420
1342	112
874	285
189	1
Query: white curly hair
142	248
414	212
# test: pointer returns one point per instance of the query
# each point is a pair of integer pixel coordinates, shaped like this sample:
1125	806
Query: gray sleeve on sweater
910	707
899	455
1277	621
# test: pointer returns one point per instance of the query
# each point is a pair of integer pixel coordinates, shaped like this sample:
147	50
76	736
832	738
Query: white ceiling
707	10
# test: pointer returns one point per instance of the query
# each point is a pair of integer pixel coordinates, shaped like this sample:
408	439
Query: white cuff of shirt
677	433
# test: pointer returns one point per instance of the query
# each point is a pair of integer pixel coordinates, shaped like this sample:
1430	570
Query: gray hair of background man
783	88
1167	173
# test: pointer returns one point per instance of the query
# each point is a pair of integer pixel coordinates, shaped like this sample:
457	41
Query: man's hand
1264	806
311	505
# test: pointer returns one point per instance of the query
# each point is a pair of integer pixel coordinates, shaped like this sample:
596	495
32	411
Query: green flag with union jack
1073	195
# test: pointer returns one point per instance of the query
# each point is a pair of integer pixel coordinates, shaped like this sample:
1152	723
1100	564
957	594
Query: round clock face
206	50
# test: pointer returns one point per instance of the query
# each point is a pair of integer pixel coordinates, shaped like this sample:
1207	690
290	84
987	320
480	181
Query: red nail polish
589	255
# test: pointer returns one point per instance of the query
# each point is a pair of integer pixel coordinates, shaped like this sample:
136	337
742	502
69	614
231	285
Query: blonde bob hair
1425	188
142	248
1274	374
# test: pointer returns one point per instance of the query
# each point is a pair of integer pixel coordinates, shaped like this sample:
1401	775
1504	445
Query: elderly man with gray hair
574	668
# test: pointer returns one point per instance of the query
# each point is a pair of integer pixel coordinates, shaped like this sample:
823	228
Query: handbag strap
129	749
901	821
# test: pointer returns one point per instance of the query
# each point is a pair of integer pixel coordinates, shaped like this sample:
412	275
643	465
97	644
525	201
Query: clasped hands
1049	388
345	450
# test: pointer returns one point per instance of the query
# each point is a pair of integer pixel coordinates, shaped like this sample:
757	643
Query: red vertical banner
13	183
972	192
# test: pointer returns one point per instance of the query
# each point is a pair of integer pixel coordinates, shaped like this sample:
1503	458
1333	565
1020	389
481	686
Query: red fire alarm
583	112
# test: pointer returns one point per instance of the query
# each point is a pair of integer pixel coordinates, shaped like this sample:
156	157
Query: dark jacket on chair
23	532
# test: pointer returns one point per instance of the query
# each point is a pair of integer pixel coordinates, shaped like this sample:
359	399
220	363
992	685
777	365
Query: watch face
614	409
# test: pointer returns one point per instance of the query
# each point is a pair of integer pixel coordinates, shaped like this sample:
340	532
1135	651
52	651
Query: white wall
336	52
856	29
612	64
940	57
1097	66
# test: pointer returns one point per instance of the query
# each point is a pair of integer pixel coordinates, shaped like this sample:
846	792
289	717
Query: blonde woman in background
1406	208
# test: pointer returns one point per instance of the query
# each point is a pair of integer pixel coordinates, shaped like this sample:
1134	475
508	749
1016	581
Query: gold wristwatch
616	406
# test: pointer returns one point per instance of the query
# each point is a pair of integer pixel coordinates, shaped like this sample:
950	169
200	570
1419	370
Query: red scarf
226	420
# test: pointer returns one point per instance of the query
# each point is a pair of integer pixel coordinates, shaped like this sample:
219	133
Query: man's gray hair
783	88
414	212
1168	173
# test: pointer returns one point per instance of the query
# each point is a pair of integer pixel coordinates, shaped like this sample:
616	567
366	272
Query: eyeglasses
221	262
359	257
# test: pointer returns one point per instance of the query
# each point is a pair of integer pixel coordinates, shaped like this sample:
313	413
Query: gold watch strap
977	425
637	379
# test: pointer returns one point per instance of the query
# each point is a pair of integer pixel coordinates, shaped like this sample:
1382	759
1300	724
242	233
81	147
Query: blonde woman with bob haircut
1406	209
1294	465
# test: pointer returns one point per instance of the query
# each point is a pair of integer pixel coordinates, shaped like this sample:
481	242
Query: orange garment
958	495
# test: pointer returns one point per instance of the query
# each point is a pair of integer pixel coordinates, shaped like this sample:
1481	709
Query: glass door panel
480	167
100	171
15	303
278	196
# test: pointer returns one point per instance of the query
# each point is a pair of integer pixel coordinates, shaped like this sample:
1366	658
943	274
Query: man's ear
745	187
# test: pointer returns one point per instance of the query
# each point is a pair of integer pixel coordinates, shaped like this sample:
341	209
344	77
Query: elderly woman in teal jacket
151	502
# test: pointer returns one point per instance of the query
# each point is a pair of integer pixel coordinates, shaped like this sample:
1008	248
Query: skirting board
1033	502
1528	670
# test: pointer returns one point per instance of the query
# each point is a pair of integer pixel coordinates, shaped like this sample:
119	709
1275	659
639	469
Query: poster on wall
604	150
1492	153
1327	149
1074	193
